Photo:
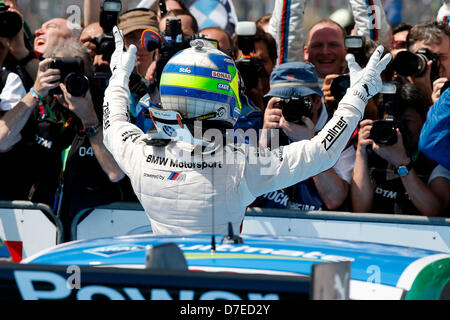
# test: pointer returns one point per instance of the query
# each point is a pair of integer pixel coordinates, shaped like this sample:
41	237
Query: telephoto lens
10	22
408	64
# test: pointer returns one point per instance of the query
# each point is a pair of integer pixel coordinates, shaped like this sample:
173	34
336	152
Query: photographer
390	174
209	183
260	63
295	107
11	89
57	124
434	36
21	58
88	38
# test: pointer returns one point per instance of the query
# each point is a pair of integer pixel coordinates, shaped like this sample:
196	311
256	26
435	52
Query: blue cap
294	79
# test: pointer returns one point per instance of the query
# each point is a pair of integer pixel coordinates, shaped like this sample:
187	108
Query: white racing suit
184	193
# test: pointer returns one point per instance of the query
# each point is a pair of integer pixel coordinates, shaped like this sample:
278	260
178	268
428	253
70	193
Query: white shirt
12	92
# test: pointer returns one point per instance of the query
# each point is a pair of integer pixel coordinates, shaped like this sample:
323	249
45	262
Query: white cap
444	12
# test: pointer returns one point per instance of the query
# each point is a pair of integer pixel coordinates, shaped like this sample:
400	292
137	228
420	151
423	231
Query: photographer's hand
365	83
437	86
326	88
83	107
364	136
424	84
394	154
46	78
297	132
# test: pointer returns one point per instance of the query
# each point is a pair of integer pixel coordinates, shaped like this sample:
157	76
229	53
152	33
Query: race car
227	267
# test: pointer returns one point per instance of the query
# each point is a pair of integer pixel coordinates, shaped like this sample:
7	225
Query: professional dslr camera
10	22
355	45
72	75
384	132
250	69
294	108
109	14
408	64
168	43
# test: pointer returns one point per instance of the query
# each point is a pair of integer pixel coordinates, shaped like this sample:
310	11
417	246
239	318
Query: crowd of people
54	111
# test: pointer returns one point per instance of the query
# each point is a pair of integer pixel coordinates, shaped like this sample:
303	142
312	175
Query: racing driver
190	182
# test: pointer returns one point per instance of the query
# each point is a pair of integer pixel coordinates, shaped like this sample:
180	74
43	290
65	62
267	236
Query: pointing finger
352	64
376	56
384	62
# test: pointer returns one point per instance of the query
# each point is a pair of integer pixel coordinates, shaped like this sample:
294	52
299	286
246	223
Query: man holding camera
296	107
390	175
181	190
434	37
55	137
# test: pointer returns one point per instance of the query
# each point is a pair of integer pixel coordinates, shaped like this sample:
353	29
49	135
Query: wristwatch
91	131
403	170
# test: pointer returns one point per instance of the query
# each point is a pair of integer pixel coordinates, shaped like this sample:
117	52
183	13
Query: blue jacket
435	135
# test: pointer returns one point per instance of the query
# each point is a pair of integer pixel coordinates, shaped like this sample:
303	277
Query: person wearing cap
133	23
186	179
326	190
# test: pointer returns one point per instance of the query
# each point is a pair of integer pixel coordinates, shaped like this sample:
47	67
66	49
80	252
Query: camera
10	22
72	75
339	86
250	69
356	45
384	132
294	108
109	14
408	64
105	45
171	42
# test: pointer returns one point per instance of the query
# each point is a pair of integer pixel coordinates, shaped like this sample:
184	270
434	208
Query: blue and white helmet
202	83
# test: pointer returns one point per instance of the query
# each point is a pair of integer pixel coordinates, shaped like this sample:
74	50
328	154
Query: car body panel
410	269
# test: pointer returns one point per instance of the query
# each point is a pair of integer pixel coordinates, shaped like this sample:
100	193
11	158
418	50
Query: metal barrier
115	219
431	233
27	227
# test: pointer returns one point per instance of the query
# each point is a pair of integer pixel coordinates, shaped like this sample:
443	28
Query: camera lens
76	84
383	132
10	24
290	112
339	87
409	64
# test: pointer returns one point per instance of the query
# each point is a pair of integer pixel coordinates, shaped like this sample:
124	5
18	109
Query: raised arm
370	20
13	121
303	159
286	26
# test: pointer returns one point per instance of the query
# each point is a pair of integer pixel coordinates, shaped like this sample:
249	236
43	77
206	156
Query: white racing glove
122	62
365	83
